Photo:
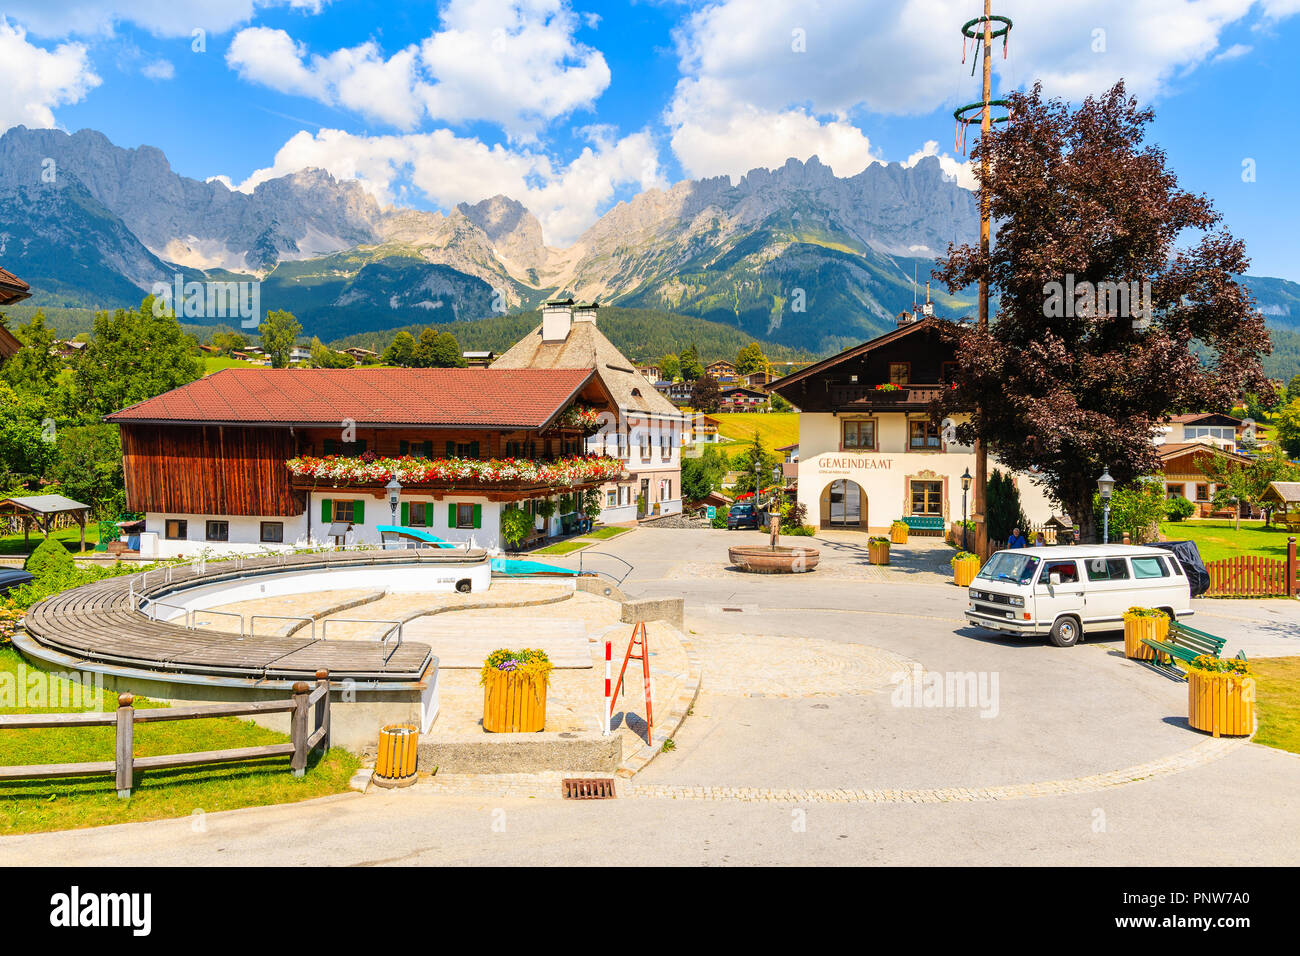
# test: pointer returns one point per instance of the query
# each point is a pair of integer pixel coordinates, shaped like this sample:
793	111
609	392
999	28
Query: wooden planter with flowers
898	532
964	568
878	550
1221	697
514	691
1148	622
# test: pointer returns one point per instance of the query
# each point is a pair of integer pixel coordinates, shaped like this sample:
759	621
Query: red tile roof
12	288
520	398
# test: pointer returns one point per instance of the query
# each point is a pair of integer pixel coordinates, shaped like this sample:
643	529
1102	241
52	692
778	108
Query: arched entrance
844	505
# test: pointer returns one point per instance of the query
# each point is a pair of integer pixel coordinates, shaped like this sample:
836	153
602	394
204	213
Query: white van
1066	592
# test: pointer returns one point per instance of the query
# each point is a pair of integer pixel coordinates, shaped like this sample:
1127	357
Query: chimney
927	309
557	320
585	313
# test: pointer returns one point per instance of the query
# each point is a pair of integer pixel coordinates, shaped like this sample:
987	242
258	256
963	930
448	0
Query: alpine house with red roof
247	459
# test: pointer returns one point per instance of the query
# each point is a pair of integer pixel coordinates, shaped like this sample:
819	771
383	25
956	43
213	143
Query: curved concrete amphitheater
123	620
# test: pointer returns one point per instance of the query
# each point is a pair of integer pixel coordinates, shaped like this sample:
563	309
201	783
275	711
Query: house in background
479	359
362	356
12	289
209	463
646	434
678	393
741	399
722	371
701	430
1225	431
651	372
1184	467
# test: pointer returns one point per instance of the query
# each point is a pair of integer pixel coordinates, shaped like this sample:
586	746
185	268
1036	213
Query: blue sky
571	106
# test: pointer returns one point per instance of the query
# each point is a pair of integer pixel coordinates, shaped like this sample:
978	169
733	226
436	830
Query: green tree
689	364
26	445
227	340
132	355
1286	426
88	467
438	350
702	475
744	464
1002	508
322	356
1135	509
34	370
401	351
1239	483
751	359
670	367
279	331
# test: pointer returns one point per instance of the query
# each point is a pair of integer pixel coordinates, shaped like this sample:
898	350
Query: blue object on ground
511	566
416	533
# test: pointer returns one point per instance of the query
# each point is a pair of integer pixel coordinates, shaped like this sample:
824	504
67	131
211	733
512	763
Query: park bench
1186	643
924	524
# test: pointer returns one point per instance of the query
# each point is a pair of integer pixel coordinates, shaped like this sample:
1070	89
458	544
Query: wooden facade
209	469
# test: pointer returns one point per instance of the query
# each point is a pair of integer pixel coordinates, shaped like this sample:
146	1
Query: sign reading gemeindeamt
846	463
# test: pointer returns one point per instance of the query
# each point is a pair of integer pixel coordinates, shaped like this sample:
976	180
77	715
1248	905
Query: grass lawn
1277	685
774	429
215	363
13	544
607	532
33	806
1215	538
563	547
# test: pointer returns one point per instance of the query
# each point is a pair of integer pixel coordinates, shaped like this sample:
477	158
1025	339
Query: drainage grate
588	788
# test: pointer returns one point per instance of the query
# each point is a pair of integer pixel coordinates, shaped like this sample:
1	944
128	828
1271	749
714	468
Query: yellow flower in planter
514	690
1221	696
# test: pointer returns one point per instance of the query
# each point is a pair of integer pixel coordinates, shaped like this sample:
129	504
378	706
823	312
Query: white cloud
170	18
784	74
159	70
34	80
514	63
448	169
1233	52
963	173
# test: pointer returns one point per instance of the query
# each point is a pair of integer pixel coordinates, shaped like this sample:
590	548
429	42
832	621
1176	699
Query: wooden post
125	757
298	729
323	708
1290	567
1126	540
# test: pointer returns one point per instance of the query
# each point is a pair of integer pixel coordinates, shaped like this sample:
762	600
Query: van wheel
1065	632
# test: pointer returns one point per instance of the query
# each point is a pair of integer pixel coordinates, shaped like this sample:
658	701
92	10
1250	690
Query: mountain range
795	256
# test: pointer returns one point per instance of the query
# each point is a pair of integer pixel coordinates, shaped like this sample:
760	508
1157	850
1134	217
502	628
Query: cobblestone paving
548	785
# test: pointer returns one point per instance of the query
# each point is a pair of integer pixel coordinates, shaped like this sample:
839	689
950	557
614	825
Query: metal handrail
606	554
252	621
397	626
197	611
153	614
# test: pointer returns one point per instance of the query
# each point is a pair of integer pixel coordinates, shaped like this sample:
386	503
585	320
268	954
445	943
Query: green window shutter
329	446
473	451
478	516
358	512
451	450
406	514
326	510
451	515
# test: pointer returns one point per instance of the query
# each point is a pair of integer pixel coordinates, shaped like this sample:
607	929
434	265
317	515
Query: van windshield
1013	566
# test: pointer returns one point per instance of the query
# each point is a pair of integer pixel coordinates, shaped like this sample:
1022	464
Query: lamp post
394	489
1105	485
965	487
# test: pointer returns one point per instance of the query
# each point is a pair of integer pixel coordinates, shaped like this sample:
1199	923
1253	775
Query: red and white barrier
609	700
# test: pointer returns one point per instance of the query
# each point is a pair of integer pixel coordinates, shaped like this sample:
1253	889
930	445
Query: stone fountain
775	558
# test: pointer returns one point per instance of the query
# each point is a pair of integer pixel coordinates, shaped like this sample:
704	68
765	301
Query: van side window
1173	563
1106	569
1068	570
1149	568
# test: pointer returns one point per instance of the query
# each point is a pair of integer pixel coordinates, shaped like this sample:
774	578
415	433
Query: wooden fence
1250	575
124	764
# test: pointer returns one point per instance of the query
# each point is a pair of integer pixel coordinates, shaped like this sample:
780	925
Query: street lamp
965	487
1105	485
394	489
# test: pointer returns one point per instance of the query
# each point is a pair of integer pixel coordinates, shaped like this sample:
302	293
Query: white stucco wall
884	474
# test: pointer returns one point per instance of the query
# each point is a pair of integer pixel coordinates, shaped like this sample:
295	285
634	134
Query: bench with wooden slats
1185	643
96	622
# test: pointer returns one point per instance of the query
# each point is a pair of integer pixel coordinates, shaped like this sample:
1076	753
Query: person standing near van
1040	541
1017	540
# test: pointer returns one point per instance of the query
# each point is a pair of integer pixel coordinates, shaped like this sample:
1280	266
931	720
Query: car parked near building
1067	592
744	515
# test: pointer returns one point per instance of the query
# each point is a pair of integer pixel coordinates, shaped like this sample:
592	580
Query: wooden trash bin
1221	704
513	703
964	570
398	745
878	550
1137	627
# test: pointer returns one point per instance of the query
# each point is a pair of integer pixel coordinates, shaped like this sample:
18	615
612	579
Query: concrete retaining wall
671	610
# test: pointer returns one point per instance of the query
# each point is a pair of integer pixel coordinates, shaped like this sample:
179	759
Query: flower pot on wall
878	550
1136	627
1222	703
964	570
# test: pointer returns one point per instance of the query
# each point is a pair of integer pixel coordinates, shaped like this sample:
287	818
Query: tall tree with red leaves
1066	386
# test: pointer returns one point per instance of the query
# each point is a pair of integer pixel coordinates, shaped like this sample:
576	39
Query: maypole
983	32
